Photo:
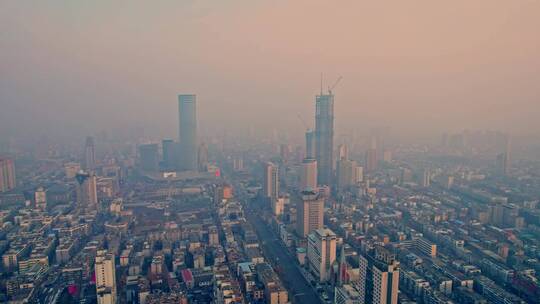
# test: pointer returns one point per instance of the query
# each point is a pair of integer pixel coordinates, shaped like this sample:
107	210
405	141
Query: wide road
275	251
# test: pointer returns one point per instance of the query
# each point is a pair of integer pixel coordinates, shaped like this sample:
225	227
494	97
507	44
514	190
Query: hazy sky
416	66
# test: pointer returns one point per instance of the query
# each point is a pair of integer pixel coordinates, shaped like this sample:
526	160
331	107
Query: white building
321	252
105	278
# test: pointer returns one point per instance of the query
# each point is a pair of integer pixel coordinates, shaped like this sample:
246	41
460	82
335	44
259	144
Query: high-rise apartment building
324	137
86	189
7	174
89	154
187	108
105	278
383	277
309	212
321	252
149	157
308	175
270	181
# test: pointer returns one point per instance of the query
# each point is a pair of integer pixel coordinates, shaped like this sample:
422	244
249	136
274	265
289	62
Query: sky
417	66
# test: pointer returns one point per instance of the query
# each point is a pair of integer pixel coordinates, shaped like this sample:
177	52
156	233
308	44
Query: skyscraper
7	174
187	113
86	190
321	252
105	278
310	144
270	181
149	157
308	176
309	212
89	154
324	137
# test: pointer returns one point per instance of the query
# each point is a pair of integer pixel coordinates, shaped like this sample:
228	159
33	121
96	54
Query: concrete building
7	174
105	278
270	181
308	176
321	252
324	137
86	189
149	157
168	147
187	113
309	213
346	174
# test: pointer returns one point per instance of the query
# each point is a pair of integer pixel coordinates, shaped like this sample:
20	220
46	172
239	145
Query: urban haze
270	152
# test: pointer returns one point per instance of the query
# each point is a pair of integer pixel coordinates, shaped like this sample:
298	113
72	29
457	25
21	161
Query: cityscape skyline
391	77
412	176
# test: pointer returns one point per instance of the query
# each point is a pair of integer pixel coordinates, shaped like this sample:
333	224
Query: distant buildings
324	137
321	252
40	198
86	189
309	212
308	175
7	174
187	108
348	174
169	159
149	157
202	157
105	278
89	154
270	181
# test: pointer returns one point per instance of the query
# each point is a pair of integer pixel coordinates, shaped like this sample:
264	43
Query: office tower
270	181
202	157
309	212
371	160
86	189
89	154
71	169
383	277
40	198
426	178
321	252
187	108
169	158
308	176
343	152
324	137
105	278
346	174
149	157
310	144
7	174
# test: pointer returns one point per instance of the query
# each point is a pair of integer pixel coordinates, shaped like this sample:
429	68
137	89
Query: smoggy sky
418	66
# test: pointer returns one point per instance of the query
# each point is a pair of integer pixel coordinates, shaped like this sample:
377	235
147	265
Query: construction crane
334	85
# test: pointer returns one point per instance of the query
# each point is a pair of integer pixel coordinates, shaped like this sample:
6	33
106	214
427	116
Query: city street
301	291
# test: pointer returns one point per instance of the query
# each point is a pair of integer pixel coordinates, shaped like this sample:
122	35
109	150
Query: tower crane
334	85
